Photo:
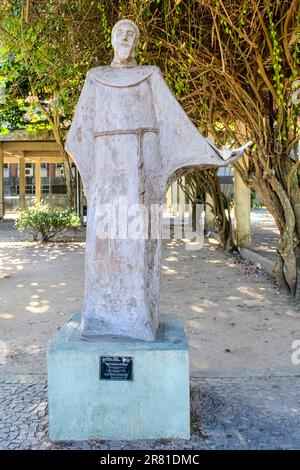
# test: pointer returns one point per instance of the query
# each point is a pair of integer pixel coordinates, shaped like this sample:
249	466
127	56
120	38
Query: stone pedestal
151	401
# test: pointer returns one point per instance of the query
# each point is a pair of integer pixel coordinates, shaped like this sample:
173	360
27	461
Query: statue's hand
230	156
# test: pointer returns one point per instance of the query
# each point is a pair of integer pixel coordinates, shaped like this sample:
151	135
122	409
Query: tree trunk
70	183
285	209
54	121
207	181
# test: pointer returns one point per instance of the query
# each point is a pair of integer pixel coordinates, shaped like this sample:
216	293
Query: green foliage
18	110
58	41
277	60
177	79
45	222
105	25
51	46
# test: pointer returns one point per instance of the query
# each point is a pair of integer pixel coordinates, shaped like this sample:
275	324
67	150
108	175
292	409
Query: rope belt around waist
139	131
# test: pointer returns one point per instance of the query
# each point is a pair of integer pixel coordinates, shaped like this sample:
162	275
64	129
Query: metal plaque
116	368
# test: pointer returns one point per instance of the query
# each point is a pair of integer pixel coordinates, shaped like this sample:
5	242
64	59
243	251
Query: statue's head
124	38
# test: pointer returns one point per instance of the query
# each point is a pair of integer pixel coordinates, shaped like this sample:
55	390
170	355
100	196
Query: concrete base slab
262	261
149	402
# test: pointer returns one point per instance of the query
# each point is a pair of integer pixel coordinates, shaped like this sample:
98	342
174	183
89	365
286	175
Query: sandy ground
238	324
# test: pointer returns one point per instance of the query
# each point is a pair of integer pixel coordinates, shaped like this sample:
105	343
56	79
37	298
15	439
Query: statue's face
124	41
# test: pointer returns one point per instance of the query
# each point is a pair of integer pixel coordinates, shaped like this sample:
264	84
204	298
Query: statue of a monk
128	136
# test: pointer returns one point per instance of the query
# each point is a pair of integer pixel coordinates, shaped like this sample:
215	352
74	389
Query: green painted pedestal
153	404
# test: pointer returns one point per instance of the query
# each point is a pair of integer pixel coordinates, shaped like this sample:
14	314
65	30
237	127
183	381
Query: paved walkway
256	413
264	233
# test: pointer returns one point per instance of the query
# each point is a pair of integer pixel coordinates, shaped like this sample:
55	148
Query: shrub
45	221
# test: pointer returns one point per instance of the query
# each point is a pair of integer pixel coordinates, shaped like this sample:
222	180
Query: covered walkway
31	169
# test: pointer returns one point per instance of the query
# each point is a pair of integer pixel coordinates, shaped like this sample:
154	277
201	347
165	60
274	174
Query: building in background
31	169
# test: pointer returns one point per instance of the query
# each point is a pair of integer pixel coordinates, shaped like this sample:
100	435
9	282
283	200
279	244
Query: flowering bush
45	222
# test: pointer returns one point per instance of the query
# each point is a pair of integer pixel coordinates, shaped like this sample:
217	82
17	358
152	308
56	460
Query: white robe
128	135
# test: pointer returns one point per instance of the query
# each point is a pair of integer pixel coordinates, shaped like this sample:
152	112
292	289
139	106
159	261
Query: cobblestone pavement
254	413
